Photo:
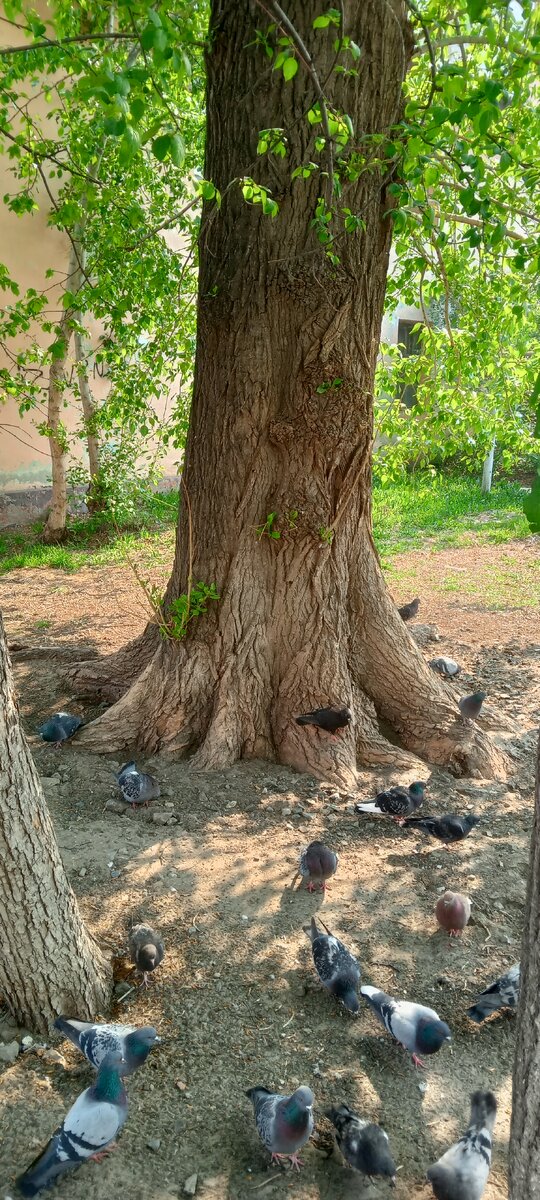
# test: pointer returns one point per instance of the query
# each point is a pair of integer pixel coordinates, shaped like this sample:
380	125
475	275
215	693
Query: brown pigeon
452	911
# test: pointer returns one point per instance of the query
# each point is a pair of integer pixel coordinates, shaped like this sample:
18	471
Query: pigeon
462	1172
452	911
284	1123
469	706
135	786
317	864
419	1030
95	1041
91	1124
146	949
336	967
329	719
363	1145
408	611
445	666
447	829
59	728
504	993
397	802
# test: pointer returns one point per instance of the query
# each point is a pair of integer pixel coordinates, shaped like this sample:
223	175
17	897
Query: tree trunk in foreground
49	962
525	1131
282	424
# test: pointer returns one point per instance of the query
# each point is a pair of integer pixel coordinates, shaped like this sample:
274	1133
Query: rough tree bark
49	964
94	500
55	526
525	1129
303	620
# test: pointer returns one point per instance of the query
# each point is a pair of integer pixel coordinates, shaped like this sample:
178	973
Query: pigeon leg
101	1154
455	932
324	887
296	1161
310	887
418	1062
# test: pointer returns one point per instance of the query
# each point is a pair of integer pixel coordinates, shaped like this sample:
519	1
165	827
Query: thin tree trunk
525	1130
282	423
93	500
49	963
55	525
487	470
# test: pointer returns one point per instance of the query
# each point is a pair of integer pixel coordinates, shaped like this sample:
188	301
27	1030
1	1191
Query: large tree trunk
49	963
525	1130
282	423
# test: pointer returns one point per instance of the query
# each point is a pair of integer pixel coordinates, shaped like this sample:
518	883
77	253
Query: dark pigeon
92	1123
418	1029
284	1123
317	864
146	949
59	728
408	611
462	1172
135	786
445	666
337	968
397	802
363	1145
95	1041
329	719
469	706
447	829
504	993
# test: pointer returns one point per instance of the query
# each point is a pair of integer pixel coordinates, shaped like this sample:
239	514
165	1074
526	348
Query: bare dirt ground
236	1000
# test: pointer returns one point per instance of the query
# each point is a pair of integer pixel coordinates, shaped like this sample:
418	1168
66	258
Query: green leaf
355	50
177	150
535	399
290	67
114	127
531	506
161	146
476	9
137	109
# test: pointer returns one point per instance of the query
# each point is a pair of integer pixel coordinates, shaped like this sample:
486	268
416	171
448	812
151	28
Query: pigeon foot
101	1154
418	1062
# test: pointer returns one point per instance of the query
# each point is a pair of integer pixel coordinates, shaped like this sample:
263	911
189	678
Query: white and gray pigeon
317	864
448	667
418	1029
363	1145
337	968
59	728
96	1040
91	1124
135	786
398	802
284	1123
462	1172
504	993
146	949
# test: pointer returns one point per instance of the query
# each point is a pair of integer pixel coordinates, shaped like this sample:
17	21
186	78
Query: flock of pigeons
285	1123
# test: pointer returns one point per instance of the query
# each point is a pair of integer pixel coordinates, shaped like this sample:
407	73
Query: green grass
445	510
422	511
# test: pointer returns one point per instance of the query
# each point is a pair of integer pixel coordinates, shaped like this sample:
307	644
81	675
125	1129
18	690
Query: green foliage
531	506
326	534
173	622
268	528
447	508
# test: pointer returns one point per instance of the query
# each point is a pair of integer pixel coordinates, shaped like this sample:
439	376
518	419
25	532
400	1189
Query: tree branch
52	43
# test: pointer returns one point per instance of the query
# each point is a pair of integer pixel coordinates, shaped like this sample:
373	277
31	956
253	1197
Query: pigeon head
483	1108
345	714
347	994
147	957
300	1103
417	790
109	1085
140	1042
431	1035
471	820
478	696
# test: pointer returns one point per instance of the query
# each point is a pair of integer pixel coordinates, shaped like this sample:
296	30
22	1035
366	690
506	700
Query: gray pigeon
397	802
284	1123
445	666
135	786
469	706
91	1124
146	949
329	719
447	829
59	728
95	1041
462	1172
317	864
408	611
419	1030
336	967
504	993
363	1145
